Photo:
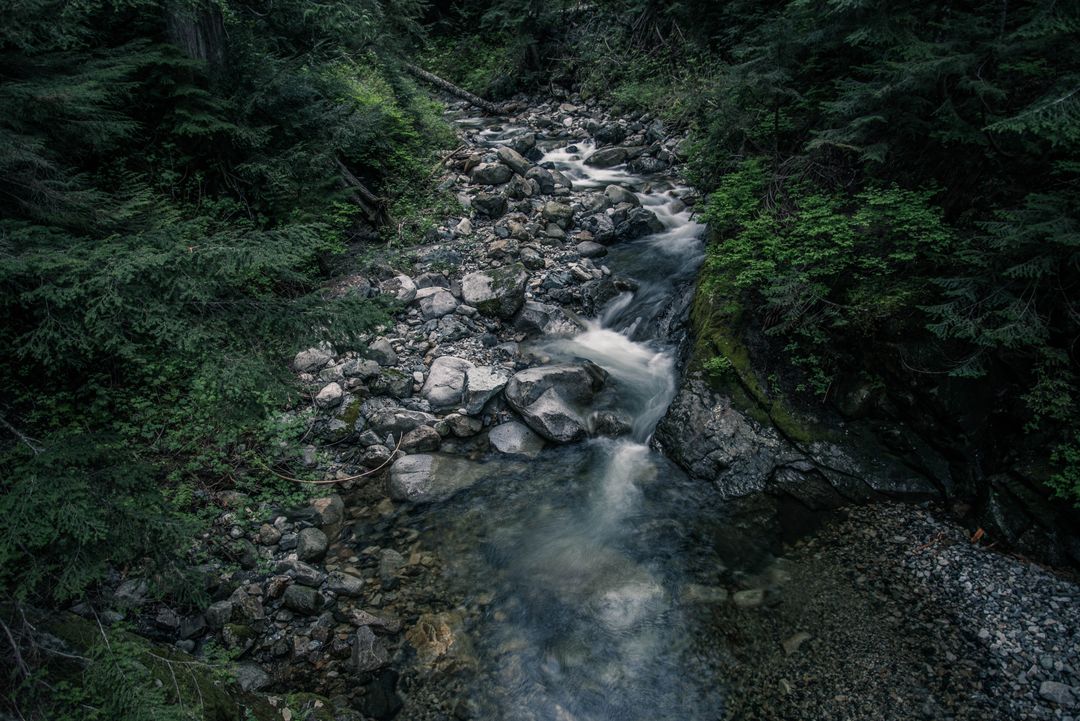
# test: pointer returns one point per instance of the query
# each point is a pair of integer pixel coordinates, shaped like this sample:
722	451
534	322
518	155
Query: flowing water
593	564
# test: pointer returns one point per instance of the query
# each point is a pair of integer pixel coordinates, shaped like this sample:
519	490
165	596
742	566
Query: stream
594	564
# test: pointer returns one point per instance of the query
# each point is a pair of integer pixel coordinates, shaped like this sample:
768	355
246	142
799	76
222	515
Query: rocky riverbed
502	542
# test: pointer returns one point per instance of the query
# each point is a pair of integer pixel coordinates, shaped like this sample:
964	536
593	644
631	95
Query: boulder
445	384
618	194
398	420
311	360
639	222
513	159
516	439
421	440
499	292
560	214
482	383
646	165
430	477
553	400
607	157
589	249
368	652
491	174
537	318
380	351
600	226
330	396
436	302
311	544
400	286
543	177
492	205
302	600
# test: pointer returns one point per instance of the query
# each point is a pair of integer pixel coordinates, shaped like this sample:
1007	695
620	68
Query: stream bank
505	540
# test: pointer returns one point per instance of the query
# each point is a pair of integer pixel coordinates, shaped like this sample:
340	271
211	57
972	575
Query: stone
390	564
794	642
439	637
302	600
513	159
696	593
750	598
543	177
436	302
639	222
491	174
420	440
362	368
459	426
464	228
330	396
499	292
607	157
368	652
311	360
1058	693
311	544
250	676
430	477
445	385
589	249
647	165
398	420
380	351
303	573
132	592
482	383
218	614
516	439
392	382
552	399
560	214
400	286
600	226
492	205
344	584
618	194
330	513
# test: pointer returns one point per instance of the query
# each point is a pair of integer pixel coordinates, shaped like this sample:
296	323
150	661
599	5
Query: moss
718	319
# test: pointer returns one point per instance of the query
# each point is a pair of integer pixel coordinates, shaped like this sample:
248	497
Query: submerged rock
429	477
516	439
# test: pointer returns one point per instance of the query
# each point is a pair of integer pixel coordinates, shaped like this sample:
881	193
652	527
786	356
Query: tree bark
486	106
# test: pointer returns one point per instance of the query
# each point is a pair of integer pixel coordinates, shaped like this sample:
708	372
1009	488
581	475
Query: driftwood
370	204
486	106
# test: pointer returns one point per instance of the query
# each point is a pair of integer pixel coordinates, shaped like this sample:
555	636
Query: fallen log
486	106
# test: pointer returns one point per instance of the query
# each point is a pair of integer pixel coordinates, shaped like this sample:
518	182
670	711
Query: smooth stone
516	439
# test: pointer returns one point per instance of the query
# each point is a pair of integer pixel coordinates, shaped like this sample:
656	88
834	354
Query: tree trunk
486	106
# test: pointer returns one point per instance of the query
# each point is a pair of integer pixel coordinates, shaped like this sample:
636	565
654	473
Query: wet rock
302	600
543	177
491	174
750	598
400	287
794	642
380	700
311	544
330	513
362	368
439	638
344	584
607	157
482	383
492	205
218	614
516	439
589	249
553	400
430	477
1058	693
639	222
536	319
617	194
646	165
499	292
601	227
368	652
513	160
459	426
445	384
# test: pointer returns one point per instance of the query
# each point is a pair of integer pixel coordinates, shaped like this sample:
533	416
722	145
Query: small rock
329	396
311	544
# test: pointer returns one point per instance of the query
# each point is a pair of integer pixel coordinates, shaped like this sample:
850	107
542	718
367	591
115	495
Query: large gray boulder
553	400
435	302
499	292
607	157
618	194
398	420
445	384
513	159
560	214
492	205
516	439
639	222
491	174
426	477
482	383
